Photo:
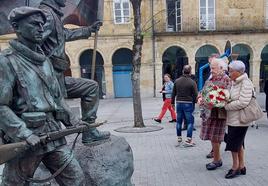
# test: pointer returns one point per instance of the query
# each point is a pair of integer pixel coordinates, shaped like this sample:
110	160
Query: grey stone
109	163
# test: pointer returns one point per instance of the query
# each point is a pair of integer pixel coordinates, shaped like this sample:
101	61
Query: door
122	81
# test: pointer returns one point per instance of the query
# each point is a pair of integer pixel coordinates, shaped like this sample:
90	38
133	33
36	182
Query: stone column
191	60
158	72
109	81
76	72
255	73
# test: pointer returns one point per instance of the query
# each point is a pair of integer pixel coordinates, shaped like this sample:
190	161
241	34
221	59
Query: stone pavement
159	163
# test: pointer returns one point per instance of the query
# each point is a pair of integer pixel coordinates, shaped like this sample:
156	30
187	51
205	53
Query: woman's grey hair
238	66
221	62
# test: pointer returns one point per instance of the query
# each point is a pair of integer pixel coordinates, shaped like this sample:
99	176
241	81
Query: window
207	15
121	11
266	16
173	15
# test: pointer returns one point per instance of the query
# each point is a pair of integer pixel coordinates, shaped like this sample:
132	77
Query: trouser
185	109
16	169
167	106
184	119
88	91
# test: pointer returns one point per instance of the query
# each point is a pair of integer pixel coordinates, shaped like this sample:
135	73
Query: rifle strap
55	174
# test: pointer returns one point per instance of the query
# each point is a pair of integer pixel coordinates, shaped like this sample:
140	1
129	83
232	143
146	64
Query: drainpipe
153	46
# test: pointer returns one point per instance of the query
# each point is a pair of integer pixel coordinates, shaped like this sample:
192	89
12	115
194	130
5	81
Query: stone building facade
176	32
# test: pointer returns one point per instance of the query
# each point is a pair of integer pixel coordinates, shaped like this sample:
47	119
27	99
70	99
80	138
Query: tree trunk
137	52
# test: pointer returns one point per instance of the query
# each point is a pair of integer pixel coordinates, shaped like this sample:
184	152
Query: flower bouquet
213	96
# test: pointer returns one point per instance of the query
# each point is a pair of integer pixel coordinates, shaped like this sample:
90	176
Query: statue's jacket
55	37
28	85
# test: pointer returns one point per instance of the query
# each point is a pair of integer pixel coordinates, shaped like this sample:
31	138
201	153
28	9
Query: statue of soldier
54	47
30	104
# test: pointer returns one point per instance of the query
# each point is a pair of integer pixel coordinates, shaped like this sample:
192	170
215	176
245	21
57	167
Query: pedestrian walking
184	93
240	95
193	77
214	119
167	92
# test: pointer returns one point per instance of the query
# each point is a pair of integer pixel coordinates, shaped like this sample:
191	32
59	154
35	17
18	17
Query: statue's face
61	3
31	28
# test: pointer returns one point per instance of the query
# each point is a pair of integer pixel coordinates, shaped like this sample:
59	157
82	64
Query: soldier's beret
24	11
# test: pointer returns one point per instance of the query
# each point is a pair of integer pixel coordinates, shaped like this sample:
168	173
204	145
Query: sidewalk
159	163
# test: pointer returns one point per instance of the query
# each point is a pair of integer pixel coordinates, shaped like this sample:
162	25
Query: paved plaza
158	162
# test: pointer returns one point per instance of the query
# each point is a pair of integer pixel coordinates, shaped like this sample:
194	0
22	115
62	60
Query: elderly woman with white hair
240	96
214	122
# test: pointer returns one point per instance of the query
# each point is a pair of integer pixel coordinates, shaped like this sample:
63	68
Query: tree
137	52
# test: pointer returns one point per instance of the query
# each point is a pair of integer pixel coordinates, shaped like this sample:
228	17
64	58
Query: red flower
219	99
215	88
211	96
221	93
222	87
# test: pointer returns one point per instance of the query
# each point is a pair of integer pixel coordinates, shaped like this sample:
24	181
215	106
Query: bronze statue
55	36
32	105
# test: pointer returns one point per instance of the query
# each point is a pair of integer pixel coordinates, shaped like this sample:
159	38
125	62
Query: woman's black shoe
158	120
243	171
214	165
232	174
173	121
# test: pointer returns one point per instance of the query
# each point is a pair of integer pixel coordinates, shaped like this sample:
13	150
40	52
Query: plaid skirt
213	130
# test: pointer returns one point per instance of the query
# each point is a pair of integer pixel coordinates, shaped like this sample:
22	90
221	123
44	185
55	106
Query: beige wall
230	14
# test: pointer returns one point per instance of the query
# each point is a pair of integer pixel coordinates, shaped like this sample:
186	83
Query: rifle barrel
12	150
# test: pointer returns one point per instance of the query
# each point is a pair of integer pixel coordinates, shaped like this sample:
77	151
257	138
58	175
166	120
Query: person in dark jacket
184	93
193	77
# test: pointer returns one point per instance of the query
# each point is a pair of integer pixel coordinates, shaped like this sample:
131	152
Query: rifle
10	151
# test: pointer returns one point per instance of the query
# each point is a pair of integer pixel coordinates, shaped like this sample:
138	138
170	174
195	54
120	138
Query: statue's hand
33	141
95	26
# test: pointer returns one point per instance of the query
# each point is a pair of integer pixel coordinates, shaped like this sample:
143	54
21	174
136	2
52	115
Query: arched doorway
122	70
201	58
264	68
86	64
244	53
174	59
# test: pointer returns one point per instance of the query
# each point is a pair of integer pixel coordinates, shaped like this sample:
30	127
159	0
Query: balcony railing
194	25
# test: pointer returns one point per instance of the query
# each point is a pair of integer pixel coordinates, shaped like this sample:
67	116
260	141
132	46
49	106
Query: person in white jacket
240	96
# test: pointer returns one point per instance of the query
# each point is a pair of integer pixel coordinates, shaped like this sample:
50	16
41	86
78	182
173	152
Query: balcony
233	25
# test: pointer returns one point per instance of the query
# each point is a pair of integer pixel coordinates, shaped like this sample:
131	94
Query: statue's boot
94	135
89	110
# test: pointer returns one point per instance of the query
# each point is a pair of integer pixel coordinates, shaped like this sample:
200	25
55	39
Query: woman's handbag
252	112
